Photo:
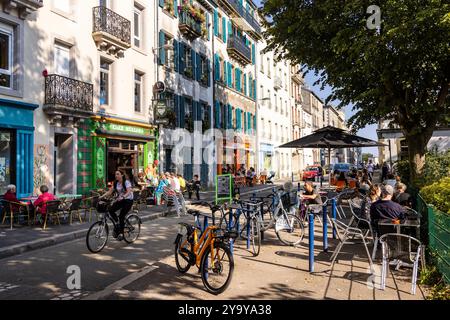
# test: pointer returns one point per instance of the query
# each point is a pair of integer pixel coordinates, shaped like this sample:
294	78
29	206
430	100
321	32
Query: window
276	102
104	82
223	116
262	63
62	60
219	23
269	102
268	67
137	26
222	70
204	70
188	69
188	115
168	51
233	77
170	103
104	3
137	91
206	117
6	57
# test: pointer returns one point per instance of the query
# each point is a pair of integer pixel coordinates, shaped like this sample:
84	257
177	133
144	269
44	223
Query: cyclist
124	200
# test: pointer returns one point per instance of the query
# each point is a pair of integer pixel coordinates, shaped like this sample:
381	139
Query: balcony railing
190	27
239	50
111	31
69	93
236	7
24	7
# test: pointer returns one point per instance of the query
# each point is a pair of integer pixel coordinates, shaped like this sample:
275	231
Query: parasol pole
329	165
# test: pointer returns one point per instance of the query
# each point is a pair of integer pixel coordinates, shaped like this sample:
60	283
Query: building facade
297	123
313	120
335	118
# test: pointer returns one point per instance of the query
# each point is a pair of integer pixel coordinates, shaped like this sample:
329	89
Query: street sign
224	188
159	87
162	121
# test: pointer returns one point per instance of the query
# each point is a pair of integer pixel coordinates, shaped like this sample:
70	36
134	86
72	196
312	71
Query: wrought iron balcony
111	31
277	83
66	97
298	78
24	7
242	17
190	27
238	50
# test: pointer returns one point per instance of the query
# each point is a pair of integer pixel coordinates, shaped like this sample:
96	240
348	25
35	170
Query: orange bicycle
208	250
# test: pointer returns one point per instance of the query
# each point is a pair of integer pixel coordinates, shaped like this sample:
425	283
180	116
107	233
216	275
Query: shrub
438	194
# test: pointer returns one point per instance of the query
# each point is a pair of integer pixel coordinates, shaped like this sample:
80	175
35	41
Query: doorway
63	158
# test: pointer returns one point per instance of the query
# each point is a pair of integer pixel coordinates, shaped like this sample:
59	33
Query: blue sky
368	132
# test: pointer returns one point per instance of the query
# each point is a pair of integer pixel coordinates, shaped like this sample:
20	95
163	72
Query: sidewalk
23	239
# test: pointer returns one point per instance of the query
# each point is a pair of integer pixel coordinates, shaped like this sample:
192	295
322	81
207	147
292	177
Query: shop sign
128	129
100	163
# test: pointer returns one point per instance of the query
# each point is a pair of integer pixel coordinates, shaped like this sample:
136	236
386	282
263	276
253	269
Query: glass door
7	159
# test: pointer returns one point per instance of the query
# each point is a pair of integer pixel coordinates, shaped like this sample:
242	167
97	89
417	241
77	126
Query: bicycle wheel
266	221
132	228
289	229
181	254
255	234
97	236
217	272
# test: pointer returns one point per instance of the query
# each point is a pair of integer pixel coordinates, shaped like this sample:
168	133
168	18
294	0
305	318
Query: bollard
248	226
311	242
333	214
325	229
230	226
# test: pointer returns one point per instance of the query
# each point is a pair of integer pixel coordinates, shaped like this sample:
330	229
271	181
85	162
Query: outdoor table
415	223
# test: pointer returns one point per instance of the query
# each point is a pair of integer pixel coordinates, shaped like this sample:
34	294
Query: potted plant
188	72
168	6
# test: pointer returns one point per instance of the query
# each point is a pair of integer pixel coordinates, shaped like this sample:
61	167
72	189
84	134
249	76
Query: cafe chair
14	209
136	200
53	211
402	250
344	233
359	219
75	209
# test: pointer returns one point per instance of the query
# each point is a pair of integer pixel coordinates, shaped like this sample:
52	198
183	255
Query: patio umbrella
331	137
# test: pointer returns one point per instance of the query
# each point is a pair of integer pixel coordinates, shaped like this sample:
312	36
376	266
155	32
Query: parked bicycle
278	210
207	249
98	233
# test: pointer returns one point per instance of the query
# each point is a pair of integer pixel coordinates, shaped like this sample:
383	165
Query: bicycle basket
286	200
102	206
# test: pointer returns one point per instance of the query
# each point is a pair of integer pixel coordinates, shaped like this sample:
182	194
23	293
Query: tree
398	72
366	157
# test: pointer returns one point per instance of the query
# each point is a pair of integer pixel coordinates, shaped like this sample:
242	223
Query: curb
58	239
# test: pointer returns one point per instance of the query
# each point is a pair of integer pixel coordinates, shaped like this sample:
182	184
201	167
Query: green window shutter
208	72
253	54
230	28
175	7
254	89
199	67
177	110
254	124
216	67
207	26
230	75
182	111
161	3
224	29
230	117
162	53
182	58
245	84
217	115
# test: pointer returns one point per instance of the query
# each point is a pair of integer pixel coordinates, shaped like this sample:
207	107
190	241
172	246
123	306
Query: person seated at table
163	181
390	180
365	183
41	202
140	181
10	196
373	196
249	178
385	208
402	197
311	195
182	182
263	176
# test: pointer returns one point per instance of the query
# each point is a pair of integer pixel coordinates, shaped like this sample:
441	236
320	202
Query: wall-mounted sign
128	129
159	87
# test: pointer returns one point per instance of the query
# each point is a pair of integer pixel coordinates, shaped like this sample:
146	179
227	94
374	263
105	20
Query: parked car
311	172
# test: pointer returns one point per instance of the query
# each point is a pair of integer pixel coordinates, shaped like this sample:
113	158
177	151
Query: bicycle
251	226
208	250
98	233
288	226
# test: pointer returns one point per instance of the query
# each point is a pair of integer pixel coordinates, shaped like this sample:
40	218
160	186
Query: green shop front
115	144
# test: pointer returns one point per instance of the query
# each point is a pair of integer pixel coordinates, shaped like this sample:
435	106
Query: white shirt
370	167
175	183
122	191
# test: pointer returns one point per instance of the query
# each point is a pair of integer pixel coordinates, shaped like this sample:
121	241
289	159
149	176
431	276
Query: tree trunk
417	148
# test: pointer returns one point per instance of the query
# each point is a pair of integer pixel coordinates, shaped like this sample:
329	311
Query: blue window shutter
176	53
161	3
253	54
175	7
230	75
216	23
217	115
177	110
230	117
216	67
254	124
230	29
199	67
162	53
182	112
246	41
250	83
254	89
224	29
245	84
194	64
225	72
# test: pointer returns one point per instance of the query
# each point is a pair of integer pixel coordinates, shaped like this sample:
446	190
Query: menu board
224	188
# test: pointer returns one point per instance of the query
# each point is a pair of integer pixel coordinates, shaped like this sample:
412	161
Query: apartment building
184	57
336	118
313	120
74	93
297	123
236	33
274	112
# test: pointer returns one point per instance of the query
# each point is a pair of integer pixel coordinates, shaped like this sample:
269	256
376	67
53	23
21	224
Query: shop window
6	57
104	82
7	159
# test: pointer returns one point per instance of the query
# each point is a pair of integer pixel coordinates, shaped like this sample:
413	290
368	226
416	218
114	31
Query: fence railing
68	92
106	20
437	227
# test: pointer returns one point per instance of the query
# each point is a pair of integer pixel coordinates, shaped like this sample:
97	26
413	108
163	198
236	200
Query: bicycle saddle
193	212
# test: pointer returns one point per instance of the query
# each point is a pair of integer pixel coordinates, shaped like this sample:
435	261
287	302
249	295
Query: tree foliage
399	72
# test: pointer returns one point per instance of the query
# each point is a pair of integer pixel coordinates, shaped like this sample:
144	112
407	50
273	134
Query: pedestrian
370	169
194	186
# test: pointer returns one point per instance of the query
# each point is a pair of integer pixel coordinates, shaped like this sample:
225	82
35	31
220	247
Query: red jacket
42	202
10	196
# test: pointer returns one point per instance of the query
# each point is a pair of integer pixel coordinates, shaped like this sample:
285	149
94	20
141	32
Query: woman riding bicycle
124	200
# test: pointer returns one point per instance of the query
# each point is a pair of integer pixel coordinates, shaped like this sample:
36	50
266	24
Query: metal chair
52	210
344	232
136	197
359	218
402	250
12	209
74	209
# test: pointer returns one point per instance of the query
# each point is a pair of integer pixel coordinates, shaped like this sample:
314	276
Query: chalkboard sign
224	188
